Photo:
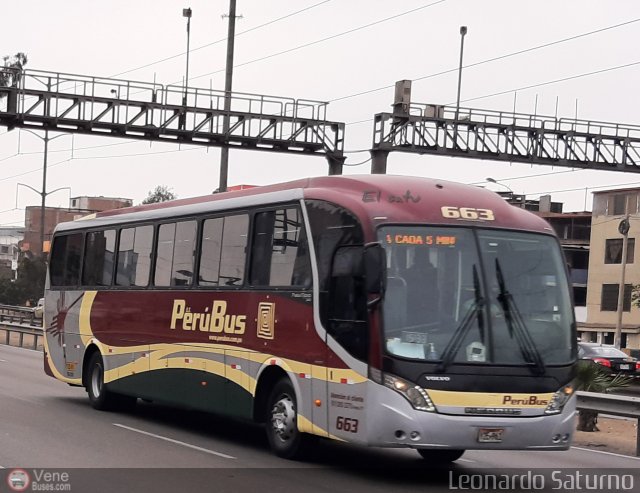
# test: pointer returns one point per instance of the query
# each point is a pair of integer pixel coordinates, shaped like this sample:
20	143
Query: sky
349	53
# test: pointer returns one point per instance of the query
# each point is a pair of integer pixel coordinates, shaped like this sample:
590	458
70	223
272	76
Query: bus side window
65	260
280	250
97	267
174	263
134	256
222	259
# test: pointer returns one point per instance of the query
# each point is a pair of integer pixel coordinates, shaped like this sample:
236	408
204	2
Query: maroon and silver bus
382	310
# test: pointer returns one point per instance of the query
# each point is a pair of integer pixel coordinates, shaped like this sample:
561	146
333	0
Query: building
10	239
78	207
574	231
605	269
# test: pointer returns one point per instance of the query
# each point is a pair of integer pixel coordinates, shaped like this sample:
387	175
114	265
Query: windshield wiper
475	310
517	326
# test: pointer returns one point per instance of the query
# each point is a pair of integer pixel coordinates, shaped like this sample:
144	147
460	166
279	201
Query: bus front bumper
395	423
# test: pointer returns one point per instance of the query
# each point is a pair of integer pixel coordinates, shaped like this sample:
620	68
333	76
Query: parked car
608	356
39	309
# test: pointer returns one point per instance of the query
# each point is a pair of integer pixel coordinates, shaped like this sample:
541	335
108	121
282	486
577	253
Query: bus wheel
99	396
440	456
282	421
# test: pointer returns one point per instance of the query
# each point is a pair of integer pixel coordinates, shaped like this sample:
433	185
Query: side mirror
347	262
368	262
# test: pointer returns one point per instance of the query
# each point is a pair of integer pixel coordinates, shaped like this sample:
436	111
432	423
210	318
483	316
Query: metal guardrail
21	330
19	314
616	405
20	320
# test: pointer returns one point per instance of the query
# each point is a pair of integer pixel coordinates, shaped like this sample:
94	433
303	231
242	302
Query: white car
39	309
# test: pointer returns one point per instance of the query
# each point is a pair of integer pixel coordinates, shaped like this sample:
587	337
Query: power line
529	176
33	170
358	164
140	154
564	79
488	60
223	39
306	45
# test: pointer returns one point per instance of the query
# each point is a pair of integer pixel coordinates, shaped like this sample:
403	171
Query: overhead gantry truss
501	136
139	110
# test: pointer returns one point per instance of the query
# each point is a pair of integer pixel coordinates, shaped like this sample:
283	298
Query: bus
381	310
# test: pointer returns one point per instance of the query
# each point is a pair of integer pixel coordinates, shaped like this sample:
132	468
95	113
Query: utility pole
43	193
228	79
44	190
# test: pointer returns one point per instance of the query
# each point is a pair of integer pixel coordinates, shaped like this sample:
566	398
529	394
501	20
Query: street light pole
463	32
187	13
44	190
493	180
43	193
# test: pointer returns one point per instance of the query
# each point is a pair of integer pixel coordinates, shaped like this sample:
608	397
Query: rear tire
440	456
281	421
99	396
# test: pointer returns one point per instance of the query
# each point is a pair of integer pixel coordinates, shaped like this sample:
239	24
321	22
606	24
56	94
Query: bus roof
373	198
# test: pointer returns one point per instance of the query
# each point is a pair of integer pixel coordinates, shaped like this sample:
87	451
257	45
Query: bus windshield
461	295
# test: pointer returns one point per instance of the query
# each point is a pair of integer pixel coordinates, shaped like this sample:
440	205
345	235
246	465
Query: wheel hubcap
96	381
283	418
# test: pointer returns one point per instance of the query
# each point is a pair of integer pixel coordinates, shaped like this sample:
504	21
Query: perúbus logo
18	480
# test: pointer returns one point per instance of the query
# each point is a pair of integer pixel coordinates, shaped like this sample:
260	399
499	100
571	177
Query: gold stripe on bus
336	375
84	319
481	399
305	425
160	357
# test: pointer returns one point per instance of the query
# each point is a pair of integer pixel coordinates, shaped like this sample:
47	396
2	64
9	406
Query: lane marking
607	453
21	348
178	442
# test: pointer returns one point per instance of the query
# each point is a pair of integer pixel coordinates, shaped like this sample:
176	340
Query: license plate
625	367
490	435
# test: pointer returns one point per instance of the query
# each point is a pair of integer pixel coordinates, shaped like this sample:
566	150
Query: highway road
45	424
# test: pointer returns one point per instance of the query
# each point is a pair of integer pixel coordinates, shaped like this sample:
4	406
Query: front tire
285	439
99	396
440	456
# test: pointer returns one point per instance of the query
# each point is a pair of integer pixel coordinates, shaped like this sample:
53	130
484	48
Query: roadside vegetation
592	377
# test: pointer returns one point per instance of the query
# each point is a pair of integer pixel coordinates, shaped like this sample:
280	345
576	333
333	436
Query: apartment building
605	269
10	239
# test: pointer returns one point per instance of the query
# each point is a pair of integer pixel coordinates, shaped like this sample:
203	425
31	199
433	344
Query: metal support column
379	161
335	164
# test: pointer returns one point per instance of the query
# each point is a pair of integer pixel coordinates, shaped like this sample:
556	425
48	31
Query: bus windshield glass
461	295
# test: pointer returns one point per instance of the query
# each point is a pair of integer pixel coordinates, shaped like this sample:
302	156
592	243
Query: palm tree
591	377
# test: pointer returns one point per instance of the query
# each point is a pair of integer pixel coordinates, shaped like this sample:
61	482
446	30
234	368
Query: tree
11	71
591	377
29	286
161	193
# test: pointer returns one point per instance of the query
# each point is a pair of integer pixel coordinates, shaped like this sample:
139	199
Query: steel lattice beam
137	110
533	139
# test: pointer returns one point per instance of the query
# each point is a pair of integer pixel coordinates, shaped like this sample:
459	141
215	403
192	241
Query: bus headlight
415	394
559	399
